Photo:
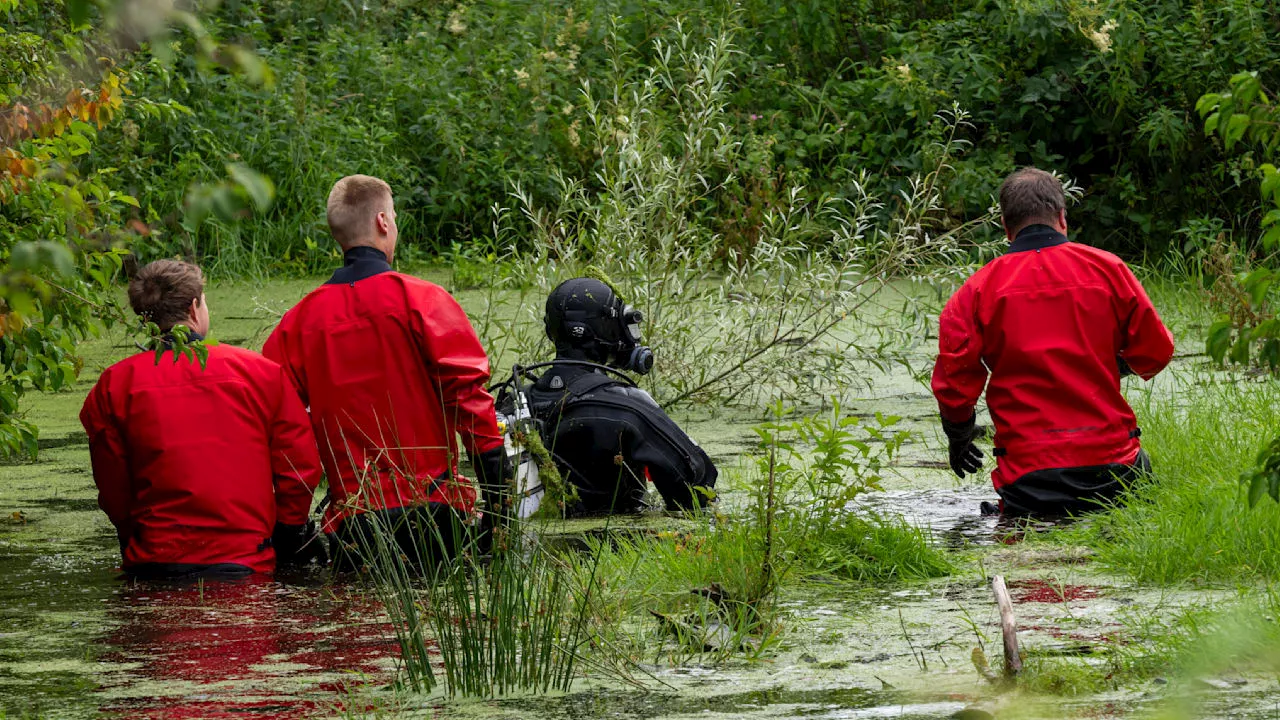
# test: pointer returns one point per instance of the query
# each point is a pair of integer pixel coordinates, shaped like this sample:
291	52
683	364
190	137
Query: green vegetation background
455	103
217	135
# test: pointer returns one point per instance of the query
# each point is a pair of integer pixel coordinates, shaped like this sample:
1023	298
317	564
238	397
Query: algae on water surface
76	641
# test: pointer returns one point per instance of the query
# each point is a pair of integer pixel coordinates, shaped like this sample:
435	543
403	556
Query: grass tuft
1190	521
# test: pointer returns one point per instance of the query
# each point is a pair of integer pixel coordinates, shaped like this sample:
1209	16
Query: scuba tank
520	423
517	421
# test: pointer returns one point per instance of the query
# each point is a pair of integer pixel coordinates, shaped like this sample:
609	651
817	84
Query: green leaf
1235	129
1211	123
1245	88
1266	329
1257	284
1270	353
1271	238
78	13
1257	486
1270	180
260	189
1207	104
1240	350
1218	340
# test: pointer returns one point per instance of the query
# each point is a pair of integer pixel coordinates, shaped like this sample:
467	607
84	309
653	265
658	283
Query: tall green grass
487	625
714	588
1190	521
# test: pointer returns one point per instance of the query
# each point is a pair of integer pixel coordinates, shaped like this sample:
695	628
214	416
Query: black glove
494	475
299	544
965	457
1125	370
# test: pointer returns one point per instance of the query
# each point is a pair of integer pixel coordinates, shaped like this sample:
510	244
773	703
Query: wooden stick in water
1008	627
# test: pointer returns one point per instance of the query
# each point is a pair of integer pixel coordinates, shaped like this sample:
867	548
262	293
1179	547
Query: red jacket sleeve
295	460
109	456
276	349
458	366
959	374
1145	343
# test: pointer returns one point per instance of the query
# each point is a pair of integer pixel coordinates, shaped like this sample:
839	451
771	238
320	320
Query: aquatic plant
488	611
733	325
828	461
713	585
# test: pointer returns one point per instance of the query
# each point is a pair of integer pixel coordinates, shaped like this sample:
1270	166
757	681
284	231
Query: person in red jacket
1055	324
204	471
393	372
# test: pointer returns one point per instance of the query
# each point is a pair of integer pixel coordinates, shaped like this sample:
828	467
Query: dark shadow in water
60	504
587	539
68	440
955	518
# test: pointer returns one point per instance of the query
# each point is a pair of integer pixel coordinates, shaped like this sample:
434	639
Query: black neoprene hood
582	312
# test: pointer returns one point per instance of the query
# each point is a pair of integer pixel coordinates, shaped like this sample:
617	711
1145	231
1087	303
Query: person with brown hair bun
206	472
393	372
1054	324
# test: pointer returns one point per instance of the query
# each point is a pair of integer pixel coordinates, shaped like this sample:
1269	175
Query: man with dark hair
607	436
393	372
204	471
1055	324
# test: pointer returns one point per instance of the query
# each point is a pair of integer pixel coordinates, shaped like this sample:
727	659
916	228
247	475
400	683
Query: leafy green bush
456	104
831	112
1246	116
821	465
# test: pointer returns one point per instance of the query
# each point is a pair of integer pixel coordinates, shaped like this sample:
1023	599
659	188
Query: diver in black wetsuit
607	436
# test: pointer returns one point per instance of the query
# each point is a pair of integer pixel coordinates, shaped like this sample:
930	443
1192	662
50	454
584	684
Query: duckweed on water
75	639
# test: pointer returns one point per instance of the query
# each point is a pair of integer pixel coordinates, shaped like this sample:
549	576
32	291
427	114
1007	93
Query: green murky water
75	641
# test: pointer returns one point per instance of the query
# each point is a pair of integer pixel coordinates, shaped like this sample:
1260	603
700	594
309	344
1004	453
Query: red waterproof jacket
196	466
392	371
1049	321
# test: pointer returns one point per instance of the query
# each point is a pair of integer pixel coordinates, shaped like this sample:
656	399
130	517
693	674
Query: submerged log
1008	627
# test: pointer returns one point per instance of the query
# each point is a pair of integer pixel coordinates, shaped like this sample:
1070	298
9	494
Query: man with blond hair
204	471
393	372
1054	324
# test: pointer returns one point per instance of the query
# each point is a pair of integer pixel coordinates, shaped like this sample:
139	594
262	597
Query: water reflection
955	518
253	648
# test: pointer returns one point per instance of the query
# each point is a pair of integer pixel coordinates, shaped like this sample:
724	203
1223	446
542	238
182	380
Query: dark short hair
162	291
1030	194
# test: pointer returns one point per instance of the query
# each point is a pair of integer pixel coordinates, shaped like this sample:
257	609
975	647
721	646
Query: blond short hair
354	202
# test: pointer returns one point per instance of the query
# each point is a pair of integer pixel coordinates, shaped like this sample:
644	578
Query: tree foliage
455	103
133	126
1245	117
65	222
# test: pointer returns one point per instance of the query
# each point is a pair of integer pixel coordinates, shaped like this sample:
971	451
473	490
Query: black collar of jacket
1036	237
192	337
166	340
359	263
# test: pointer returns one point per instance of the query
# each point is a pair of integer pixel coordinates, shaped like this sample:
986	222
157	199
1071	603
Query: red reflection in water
254	648
1040	591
